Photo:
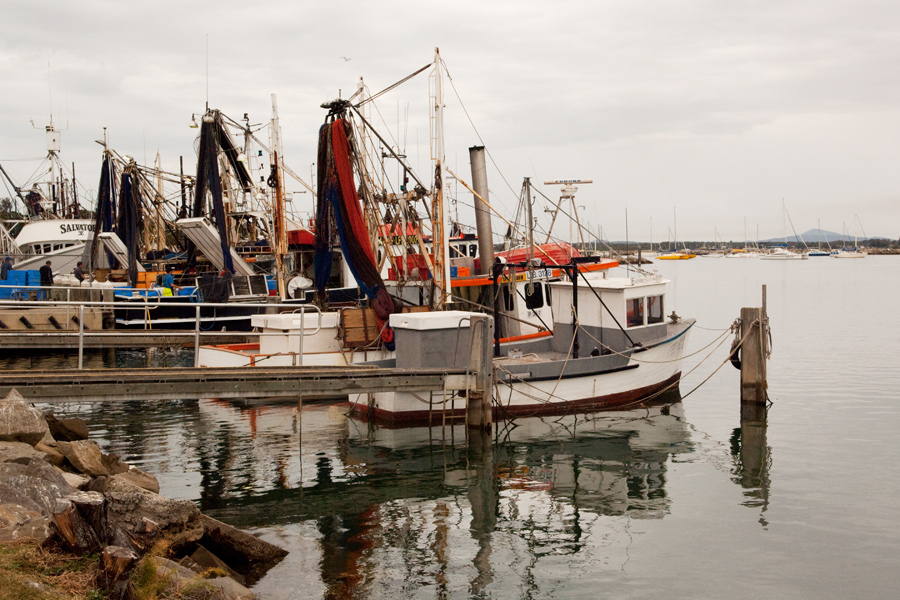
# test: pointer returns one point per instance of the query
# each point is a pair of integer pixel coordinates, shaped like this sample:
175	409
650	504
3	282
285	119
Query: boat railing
302	310
75	313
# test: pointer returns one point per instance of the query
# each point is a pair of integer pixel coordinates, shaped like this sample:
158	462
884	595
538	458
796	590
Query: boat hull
643	376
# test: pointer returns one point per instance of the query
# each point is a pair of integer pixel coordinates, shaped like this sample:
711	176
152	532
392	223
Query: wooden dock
102	385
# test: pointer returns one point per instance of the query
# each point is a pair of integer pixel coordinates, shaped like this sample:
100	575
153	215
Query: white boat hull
645	374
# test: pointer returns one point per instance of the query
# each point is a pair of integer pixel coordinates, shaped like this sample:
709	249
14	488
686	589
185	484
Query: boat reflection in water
539	503
388	511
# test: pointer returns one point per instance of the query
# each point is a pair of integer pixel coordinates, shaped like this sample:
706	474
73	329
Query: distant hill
814	236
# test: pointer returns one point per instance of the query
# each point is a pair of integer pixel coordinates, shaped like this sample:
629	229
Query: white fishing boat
620	351
567	335
52	230
61	241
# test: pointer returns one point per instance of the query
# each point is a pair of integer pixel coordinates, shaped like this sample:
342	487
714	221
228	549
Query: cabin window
634	312
654	310
473	250
57	246
535	300
36	249
47	249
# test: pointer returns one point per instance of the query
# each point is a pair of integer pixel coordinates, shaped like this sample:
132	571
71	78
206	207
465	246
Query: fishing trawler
568	336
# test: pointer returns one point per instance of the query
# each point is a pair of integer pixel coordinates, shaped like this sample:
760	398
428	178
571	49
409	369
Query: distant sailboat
675	254
783	253
819	251
747	251
854	252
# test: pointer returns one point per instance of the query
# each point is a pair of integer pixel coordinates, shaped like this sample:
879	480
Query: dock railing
75	312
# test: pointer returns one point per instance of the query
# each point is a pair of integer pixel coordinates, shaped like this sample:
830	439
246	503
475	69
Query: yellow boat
675	256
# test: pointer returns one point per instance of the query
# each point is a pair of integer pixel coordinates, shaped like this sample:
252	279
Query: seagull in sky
346	58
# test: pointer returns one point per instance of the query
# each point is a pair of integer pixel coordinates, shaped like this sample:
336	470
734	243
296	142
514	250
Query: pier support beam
479	405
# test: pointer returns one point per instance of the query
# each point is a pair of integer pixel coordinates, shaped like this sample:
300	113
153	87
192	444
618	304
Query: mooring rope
717	342
657	362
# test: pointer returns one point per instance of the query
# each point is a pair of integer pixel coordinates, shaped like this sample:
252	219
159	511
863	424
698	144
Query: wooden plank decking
97	385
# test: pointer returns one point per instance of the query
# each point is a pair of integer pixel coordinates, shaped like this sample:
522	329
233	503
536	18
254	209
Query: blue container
17	278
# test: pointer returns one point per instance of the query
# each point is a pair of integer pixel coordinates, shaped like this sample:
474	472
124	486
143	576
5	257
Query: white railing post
197	336
302	333
81	337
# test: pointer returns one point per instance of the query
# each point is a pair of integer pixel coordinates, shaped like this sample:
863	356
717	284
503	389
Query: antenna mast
567	193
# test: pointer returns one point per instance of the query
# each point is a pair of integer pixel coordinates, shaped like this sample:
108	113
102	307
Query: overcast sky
717	110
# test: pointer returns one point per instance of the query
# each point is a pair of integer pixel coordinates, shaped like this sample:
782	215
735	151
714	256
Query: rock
98	484
141	479
229	589
36	485
132	505
53	456
84	455
18	522
237	547
131	508
203	560
185	583
48	440
75	480
66	430
113	465
17	451
19	421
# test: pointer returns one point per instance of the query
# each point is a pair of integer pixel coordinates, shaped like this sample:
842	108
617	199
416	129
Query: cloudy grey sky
715	109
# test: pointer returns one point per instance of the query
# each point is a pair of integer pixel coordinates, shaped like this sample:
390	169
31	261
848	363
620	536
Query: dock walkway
100	385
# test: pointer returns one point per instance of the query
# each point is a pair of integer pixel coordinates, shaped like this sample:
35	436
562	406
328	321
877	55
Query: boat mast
440	242
277	163
529	231
160	198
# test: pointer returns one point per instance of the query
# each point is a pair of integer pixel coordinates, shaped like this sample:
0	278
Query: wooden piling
753	356
479	405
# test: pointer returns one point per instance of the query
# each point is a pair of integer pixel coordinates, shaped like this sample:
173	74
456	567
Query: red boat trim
527	336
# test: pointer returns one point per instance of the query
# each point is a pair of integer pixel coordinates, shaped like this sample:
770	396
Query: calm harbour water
677	502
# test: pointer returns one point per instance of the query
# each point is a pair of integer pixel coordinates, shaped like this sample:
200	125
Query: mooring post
479	411
753	357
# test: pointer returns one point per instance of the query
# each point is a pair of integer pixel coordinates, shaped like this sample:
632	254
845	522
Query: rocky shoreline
58	490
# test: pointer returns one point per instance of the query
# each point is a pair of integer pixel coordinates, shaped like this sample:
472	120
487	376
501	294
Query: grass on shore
29	572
